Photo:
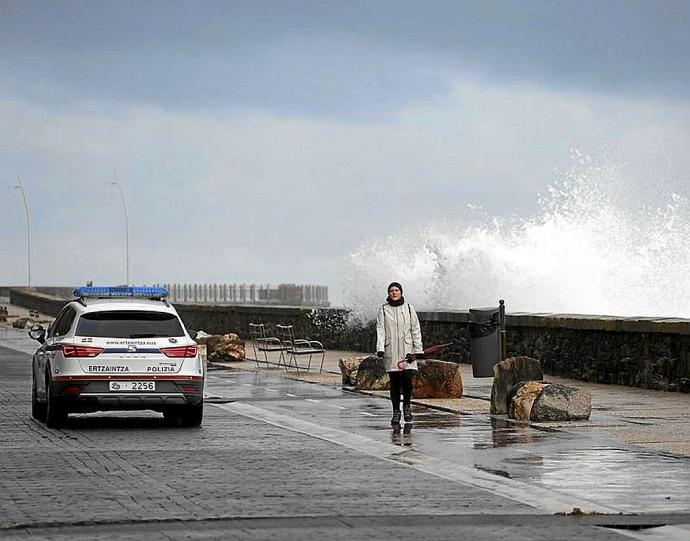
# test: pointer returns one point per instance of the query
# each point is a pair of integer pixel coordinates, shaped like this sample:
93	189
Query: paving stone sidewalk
654	420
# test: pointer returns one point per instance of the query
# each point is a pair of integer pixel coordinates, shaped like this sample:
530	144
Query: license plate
132	385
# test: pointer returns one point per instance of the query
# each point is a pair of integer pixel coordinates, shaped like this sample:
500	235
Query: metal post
20	187
124	208
502	322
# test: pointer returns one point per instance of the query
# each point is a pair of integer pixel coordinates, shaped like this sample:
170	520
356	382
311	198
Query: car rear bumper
79	394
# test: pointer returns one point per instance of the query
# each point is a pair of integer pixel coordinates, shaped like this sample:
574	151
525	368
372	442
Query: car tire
184	415
193	415
38	409
56	415
172	417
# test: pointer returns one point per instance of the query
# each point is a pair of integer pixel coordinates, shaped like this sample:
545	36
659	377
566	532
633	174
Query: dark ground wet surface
582	465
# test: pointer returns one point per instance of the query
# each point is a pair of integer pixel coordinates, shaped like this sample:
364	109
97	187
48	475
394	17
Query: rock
202	335
562	403
507	374
348	368
525	395
225	348
372	375
437	379
213	340
20	322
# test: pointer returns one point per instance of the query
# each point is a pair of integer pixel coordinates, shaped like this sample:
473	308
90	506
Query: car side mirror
38	333
192	334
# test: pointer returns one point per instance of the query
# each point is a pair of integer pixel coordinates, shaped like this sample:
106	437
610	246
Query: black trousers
401	382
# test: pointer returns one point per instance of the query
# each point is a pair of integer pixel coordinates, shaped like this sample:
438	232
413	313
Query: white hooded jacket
397	334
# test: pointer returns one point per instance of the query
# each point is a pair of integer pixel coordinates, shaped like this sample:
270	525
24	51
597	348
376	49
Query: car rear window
129	324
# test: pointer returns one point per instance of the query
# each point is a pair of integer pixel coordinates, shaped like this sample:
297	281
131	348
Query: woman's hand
410	357
379	354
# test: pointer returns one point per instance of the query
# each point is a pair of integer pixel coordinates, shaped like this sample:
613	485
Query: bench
264	343
294	347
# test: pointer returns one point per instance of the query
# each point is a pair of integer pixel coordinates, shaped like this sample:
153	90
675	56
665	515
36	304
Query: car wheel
38	409
172	417
184	415
193	415
56	416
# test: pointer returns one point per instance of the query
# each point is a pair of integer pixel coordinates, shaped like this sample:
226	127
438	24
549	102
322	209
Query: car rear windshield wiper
143	335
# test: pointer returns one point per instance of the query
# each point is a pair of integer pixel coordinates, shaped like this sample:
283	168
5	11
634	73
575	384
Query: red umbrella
410	357
436	348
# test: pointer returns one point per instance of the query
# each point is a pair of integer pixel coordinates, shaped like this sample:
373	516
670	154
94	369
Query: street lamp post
124	208
20	187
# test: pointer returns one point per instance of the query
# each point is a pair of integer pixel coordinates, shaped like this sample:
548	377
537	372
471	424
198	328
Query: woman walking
398	340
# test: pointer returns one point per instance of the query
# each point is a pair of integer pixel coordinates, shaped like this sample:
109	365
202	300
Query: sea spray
594	248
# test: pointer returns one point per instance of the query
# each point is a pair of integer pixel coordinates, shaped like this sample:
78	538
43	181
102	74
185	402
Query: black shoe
407	414
396	418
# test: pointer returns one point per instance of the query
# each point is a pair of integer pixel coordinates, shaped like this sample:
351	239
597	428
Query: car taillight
80	351
179	351
190	389
72	389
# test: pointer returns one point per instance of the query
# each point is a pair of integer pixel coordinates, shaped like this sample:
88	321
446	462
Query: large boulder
372	375
348	368
523	398
20	322
437	379
561	403
507	374
225	348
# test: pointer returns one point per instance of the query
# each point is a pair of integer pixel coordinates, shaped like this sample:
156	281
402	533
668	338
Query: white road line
660	533
339	407
541	498
367	413
248	384
312	400
272	390
290	394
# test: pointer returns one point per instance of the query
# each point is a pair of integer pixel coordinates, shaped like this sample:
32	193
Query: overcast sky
262	142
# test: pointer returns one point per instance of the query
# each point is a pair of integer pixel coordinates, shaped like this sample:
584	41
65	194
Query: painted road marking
290	394
312	400
339	407
367	413
541	498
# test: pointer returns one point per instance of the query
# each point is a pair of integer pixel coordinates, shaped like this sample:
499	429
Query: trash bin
485	341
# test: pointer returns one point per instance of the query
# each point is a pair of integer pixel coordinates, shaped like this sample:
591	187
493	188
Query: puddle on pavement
626	479
478	431
576	463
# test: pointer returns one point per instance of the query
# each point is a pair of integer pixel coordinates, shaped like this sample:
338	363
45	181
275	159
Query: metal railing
283	294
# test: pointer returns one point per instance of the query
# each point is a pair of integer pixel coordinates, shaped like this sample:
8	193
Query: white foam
594	248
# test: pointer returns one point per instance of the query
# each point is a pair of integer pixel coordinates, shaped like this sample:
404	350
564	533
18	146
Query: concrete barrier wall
637	352
641	352
44	303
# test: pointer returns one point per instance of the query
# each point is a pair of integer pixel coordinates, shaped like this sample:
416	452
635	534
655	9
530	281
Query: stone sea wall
641	352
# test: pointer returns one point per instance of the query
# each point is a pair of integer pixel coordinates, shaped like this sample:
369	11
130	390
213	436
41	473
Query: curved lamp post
20	187
124	208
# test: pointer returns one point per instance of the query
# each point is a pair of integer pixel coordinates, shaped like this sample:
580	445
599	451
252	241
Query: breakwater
652	353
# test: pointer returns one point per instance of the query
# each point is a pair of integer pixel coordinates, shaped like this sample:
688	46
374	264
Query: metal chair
264	343
298	346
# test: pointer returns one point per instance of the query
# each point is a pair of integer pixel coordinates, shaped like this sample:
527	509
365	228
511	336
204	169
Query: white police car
117	348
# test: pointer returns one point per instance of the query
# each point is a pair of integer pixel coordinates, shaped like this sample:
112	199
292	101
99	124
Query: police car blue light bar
120	291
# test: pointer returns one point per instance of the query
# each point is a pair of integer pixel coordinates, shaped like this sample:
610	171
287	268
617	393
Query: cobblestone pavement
130	477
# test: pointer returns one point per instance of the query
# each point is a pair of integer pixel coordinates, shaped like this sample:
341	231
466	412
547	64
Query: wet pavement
546	469
582	465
